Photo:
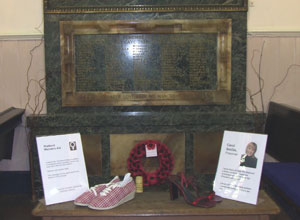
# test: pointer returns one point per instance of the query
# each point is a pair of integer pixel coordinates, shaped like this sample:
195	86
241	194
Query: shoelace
108	189
93	189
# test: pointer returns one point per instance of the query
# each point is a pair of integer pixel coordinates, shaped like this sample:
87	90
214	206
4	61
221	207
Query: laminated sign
62	167
240	166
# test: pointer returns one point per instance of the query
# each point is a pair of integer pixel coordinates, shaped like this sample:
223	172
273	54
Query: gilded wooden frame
71	97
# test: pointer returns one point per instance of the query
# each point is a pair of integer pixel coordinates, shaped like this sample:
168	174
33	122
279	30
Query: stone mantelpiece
100	122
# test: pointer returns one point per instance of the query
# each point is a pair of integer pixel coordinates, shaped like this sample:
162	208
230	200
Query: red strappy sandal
182	184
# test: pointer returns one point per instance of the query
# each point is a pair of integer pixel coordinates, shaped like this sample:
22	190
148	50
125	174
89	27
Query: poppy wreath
164	155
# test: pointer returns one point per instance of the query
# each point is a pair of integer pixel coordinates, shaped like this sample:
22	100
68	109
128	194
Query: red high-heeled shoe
181	183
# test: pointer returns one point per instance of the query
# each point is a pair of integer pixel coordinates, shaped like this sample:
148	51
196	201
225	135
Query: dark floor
19	207
16	207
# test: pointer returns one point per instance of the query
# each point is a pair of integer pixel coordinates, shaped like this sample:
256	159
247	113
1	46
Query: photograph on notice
248	159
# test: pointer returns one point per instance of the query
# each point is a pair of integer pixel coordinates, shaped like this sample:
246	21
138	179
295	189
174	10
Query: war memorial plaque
158	62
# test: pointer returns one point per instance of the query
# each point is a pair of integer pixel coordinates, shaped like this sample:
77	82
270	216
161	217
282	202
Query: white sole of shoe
127	198
81	204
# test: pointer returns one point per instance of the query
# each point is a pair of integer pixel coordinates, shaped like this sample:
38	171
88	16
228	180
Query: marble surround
101	122
238	65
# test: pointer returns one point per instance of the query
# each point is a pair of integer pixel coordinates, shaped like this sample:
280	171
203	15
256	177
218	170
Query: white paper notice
240	166
62	167
151	151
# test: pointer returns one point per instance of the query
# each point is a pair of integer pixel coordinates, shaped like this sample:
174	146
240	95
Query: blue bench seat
286	177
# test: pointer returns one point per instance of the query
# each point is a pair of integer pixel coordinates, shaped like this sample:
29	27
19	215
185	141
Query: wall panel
280	69
15	59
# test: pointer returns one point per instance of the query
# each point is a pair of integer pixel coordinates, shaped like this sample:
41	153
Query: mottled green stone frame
71	97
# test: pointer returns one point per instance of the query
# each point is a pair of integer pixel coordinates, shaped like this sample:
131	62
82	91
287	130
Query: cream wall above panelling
274	16
21	17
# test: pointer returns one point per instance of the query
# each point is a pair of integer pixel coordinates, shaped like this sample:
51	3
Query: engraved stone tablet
164	62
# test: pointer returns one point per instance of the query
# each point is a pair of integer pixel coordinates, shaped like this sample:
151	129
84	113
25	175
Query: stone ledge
158	204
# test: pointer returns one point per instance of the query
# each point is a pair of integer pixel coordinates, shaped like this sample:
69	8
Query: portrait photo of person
248	159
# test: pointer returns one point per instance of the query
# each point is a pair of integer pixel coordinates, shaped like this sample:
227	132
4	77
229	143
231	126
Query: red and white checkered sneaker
85	198
115	195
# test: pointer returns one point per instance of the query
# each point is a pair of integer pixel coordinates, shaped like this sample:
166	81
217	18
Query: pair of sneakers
108	195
